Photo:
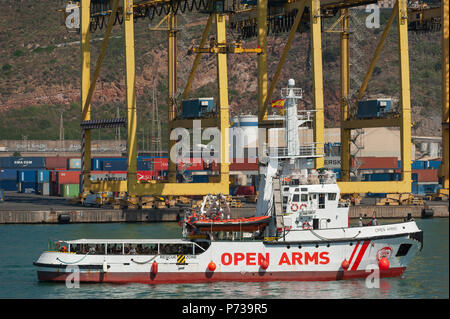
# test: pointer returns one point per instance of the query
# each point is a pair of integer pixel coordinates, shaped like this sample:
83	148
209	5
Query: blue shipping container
8	174
22	162
97	163
28	187
379	177
24	176
9	185
419	165
114	165
2	196
144	165
43	176
374	108
200	178
197	108
434	164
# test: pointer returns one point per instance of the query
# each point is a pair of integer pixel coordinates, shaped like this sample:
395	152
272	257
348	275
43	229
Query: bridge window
331	196
296	198
321	201
304	197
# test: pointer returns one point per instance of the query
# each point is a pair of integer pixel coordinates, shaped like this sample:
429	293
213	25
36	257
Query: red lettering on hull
295	258
251	259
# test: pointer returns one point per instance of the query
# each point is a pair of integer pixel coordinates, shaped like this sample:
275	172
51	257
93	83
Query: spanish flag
279	104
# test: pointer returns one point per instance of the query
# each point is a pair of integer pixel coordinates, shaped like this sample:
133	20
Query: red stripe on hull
167	278
353	253
360	255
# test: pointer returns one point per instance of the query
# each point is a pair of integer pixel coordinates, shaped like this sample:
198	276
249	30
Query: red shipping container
190	164
54	162
53	175
145	175
68	177
160	164
245	190
54	189
377	162
426	175
244	164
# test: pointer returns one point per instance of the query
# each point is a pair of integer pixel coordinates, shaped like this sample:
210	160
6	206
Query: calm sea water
20	246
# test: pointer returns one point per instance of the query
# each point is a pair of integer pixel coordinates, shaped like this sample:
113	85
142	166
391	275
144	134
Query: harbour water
20	245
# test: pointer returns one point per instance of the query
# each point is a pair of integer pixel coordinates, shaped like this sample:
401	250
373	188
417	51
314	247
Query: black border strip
64	266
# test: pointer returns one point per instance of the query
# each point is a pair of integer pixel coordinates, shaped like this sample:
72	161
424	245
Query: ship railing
329	177
305	150
306	115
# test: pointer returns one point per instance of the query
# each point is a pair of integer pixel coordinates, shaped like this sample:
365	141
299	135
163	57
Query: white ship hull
306	256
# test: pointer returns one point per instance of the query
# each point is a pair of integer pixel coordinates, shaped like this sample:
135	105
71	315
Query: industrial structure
257	18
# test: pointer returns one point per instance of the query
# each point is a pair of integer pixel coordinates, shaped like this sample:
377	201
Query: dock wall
173	214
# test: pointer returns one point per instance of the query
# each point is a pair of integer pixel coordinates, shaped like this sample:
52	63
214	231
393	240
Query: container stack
27	181
43	182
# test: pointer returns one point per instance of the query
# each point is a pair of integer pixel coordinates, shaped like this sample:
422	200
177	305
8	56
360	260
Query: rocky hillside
40	71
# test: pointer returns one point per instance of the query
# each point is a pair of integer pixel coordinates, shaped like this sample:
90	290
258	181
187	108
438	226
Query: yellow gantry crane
256	19
325	8
127	9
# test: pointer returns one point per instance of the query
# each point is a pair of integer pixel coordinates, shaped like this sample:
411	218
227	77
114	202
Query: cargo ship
300	232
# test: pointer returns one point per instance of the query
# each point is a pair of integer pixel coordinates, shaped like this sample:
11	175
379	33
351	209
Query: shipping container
116	165
9	185
74	163
244	164
379	177
374	108
245	190
54	189
160	164
43	176
425	188
26	176
197	108
377	162
67	177
145	165
419	165
146	175
8	174
2	196
54	162
97	162
22	162
27	187
434	164
43	189
426	175
69	190
200	178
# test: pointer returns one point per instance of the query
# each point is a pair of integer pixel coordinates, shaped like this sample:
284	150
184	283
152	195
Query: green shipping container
70	190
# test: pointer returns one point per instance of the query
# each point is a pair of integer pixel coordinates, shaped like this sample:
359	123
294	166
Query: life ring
303	205
306	225
294	205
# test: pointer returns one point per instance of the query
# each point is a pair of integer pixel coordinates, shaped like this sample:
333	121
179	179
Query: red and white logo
384	252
